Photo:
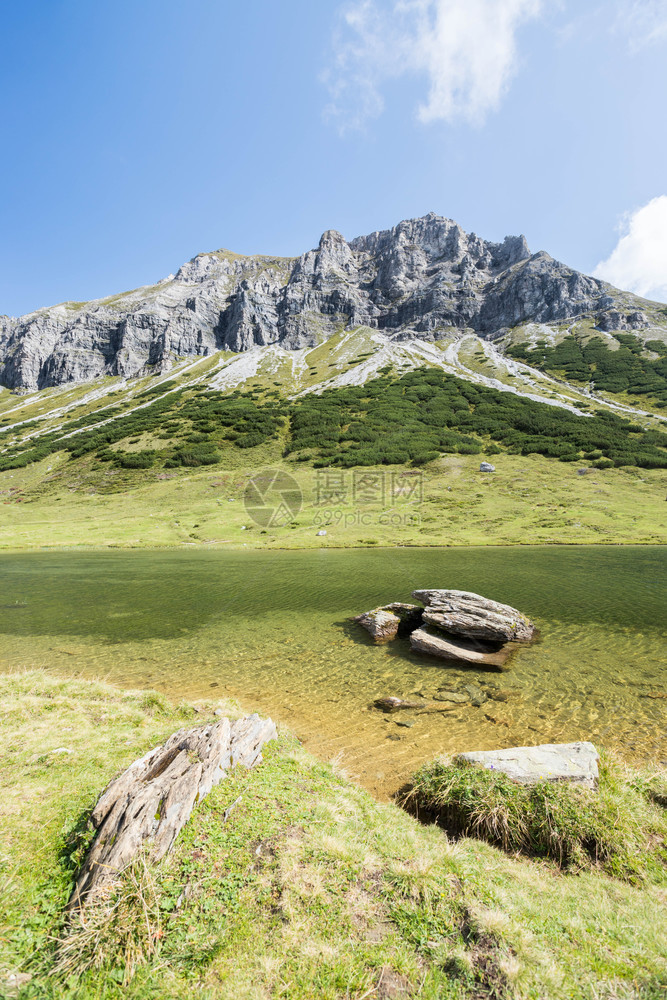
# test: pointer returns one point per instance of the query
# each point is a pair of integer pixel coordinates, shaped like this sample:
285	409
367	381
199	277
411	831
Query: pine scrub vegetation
418	416
392	420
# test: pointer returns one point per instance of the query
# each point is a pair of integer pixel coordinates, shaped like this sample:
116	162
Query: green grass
309	888
528	500
620	827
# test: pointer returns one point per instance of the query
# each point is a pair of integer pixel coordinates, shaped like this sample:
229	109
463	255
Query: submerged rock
454	696
477	696
390	703
460	612
574	762
426	640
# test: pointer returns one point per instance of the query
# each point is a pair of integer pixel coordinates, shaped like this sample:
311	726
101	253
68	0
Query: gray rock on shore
573	762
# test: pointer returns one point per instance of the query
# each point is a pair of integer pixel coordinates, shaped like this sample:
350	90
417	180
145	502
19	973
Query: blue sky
139	134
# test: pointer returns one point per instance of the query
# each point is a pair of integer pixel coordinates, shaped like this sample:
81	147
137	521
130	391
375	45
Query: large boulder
383	623
426	640
455	625
574	762
462	613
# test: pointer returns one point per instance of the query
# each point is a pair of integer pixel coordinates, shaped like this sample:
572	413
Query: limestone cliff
423	278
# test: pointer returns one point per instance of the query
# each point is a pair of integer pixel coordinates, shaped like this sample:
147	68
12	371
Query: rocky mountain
425	279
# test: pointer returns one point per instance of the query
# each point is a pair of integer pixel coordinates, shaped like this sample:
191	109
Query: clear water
272	629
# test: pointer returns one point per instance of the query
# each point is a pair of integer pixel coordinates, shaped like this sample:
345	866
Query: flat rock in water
575	762
382	625
461	612
424	640
454	696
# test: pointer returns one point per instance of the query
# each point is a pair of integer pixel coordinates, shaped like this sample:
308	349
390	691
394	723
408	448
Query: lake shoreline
309	883
240	547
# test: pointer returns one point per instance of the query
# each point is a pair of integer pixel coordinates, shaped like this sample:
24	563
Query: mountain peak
424	278
331	238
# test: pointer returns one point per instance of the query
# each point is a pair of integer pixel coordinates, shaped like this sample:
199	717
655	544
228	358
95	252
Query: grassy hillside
308	888
391	420
393	461
527	500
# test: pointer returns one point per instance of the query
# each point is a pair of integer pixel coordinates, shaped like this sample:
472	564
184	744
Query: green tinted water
272	629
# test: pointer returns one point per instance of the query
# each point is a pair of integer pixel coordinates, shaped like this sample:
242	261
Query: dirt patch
367	915
490	981
391	985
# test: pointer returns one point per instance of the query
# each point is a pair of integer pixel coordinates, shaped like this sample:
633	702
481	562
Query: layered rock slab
573	762
463	613
426	640
150	802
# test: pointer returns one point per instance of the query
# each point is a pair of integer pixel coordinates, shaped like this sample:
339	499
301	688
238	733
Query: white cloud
639	259
466	49
642	21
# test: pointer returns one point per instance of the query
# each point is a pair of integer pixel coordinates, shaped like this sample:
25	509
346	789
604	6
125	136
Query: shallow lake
272	629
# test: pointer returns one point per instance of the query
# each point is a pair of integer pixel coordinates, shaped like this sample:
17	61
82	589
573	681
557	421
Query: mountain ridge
425	279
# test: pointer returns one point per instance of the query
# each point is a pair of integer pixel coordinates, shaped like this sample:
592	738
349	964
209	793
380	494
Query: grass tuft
120	929
619	828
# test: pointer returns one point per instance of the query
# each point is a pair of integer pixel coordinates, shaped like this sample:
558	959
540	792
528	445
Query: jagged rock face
541	291
419	279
